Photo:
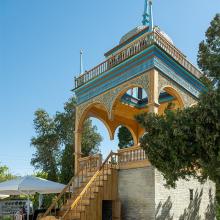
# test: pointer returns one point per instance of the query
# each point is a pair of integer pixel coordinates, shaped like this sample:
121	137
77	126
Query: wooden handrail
112	61
113	160
95	161
65	190
131	155
88	185
53	205
89	157
91	181
129	149
180	57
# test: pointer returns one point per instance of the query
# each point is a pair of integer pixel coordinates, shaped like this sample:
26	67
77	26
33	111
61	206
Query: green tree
125	138
91	139
54	143
5	174
65	127
46	144
209	50
186	143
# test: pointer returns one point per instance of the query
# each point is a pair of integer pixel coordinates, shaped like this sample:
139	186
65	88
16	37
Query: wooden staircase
82	197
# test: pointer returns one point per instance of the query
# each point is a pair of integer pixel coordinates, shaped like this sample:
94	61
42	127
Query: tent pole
40	201
28	209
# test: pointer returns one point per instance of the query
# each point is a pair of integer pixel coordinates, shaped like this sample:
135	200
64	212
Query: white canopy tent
29	185
3	196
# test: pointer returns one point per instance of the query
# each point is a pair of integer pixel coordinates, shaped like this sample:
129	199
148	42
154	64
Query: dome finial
148	15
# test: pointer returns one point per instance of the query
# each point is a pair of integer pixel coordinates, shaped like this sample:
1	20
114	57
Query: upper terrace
133	46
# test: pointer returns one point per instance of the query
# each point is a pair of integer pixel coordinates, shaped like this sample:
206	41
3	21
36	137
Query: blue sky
40	42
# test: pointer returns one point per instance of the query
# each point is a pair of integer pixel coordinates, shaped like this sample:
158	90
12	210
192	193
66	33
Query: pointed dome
132	33
165	35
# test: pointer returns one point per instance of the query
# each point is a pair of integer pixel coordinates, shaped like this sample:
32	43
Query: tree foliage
179	143
209	50
46	145
186	143
54	142
5	174
91	139
125	138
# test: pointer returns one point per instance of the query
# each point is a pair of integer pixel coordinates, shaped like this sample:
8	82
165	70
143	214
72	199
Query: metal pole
40	201
151	22
81	62
28	209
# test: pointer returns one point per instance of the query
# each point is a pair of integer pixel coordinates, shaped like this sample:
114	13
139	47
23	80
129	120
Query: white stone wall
144	196
174	204
136	192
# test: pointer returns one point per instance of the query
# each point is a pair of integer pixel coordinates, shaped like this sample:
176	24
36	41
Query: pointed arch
90	111
121	92
133	134
173	92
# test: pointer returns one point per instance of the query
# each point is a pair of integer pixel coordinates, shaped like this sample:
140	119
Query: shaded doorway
106	210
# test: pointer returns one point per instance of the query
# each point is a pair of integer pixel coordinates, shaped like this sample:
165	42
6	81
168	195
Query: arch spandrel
88	110
172	91
141	82
82	111
108	98
186	99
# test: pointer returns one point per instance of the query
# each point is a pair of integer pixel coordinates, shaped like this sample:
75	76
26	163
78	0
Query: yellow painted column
135	137
153	103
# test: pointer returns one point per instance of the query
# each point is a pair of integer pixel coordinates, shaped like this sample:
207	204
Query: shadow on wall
192	212
164	212
210	211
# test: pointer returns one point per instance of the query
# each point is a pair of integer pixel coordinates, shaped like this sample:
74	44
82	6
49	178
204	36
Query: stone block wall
175	204
143	196
136	192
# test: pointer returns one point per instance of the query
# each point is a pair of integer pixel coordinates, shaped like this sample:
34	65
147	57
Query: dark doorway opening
106	210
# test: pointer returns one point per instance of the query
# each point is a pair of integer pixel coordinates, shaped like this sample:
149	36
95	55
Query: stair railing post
82	177
86	171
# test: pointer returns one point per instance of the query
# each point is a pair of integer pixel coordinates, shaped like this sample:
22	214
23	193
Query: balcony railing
131	154
91	162
131	50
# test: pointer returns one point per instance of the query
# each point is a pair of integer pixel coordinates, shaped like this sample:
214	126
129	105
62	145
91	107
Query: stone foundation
137	193
144	197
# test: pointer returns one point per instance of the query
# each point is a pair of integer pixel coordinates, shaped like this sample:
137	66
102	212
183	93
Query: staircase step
95	189
92	173
86	179
71	215
87	195
80	208
107	171
88	172
78	186
101	177
84	202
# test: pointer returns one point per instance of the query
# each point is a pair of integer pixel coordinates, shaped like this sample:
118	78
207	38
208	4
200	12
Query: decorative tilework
172	75
127	75
109	98
187	99
136	66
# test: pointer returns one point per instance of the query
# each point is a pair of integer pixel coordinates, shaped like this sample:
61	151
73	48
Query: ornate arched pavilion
144	73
